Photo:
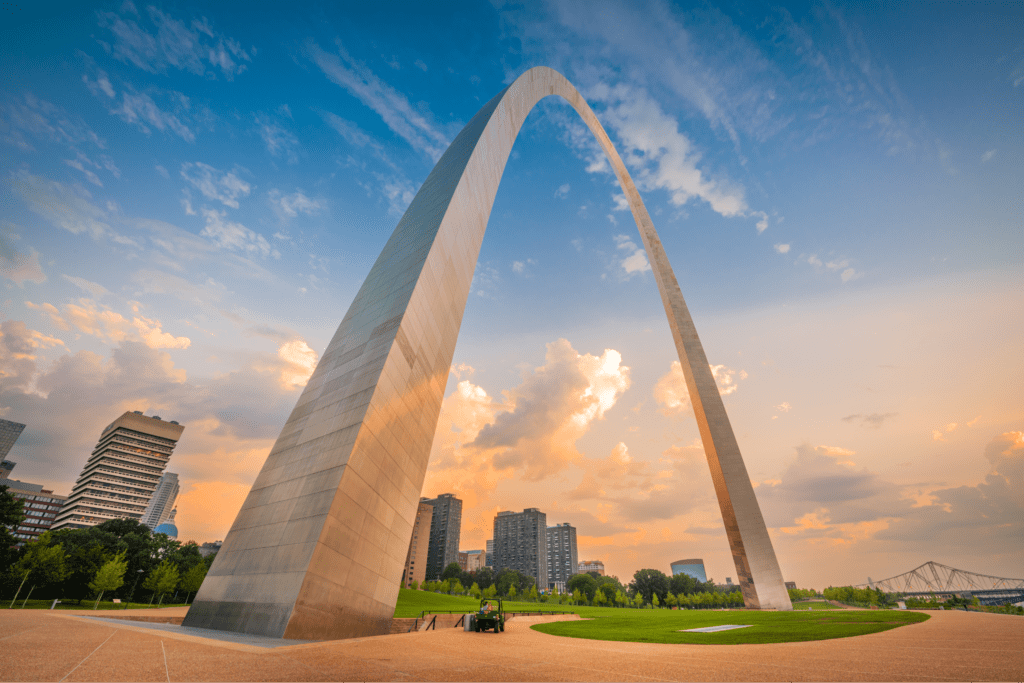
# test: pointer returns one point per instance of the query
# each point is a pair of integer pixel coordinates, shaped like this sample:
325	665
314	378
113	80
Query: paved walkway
37	645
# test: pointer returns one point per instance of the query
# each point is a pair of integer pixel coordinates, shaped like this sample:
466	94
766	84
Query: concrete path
38	645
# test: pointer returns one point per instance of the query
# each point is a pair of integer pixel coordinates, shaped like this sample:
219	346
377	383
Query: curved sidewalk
52	646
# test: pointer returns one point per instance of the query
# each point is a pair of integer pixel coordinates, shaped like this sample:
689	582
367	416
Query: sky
191	195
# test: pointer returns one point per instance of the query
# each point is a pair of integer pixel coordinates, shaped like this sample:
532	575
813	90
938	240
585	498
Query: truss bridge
932	578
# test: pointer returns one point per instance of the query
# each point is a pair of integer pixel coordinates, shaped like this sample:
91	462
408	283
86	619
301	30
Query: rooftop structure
694	568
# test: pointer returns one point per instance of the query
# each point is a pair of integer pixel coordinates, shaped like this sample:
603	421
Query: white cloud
95	289
63	206
140	109
20	268
660	155
420	64
235	236
225	187
987	156
762	224
30	117
392	106
674	396
636	260
291	205
521	267
782	248
562	191
300	362
279	140
195	48
162	171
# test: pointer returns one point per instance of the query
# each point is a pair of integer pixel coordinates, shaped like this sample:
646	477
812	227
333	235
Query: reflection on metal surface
317	550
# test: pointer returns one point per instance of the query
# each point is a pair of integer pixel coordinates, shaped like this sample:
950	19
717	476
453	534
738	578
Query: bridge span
932	578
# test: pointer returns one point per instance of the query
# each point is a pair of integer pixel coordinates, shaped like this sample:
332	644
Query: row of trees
650	587
859	597
114	559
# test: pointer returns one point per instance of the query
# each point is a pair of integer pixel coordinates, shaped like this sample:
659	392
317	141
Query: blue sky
192	195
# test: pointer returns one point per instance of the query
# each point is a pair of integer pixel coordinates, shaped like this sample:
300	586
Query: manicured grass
803	606
664	626
86	604
413	603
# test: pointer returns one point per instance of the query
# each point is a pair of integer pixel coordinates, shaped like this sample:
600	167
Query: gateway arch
318	547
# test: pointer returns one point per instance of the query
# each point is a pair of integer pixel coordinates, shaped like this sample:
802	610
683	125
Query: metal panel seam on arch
317	549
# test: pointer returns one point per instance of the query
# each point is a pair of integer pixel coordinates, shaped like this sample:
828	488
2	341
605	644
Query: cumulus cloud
673	395
562	191
552	408
300	362
223	186
166	42
782	248
105	324
635	260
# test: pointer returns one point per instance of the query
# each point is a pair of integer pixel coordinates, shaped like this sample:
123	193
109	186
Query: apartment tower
123	472
416	558
445	530
563	557
162	502
520	542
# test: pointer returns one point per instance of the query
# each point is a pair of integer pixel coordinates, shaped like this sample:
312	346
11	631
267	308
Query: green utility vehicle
491	615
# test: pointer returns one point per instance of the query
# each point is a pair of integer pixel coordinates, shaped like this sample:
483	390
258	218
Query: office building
489	560
445	529
121	475
162	503
791	585
474	559
562	555
520	543
587	566
694	568
416	557
40	506
6	467
9	433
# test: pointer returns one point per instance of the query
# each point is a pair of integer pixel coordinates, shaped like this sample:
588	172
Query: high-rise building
9	433
591	566
694	568
123	472
445	529
6	467
40	506
489	561
474	559
416	558
520	543
162	503
562	555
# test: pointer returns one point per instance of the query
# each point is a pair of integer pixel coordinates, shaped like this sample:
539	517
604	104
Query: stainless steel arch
318	547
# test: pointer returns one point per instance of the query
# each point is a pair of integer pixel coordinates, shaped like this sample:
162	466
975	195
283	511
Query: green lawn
663	626
803	606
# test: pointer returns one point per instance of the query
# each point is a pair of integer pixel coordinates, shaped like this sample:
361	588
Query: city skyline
832	196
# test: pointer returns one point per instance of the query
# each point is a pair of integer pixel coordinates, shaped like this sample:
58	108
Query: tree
585	583
491	591
533	593
671	600
620	598
193	579
415	585
11	515
655	601
475	591
42	560
161	580
599	598
683	584
110	577
452	571
455	587
443	587
512	592
650	582
638	600
577	596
